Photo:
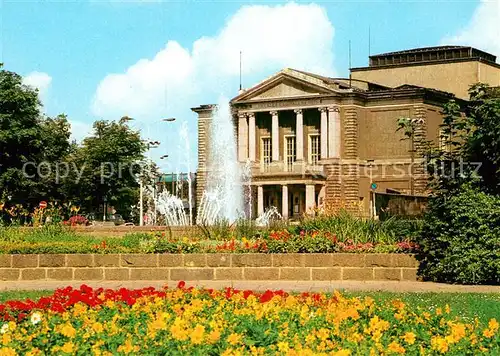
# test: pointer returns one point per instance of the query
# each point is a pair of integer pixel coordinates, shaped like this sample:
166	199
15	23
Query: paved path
289	286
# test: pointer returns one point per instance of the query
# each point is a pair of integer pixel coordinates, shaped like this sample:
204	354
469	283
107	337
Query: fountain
172	209
227	195
184	133
223	197
270	214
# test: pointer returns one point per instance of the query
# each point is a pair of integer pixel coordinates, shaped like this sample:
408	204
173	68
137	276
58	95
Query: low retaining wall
192	267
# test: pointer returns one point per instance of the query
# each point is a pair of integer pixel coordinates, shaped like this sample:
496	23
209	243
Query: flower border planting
210	266
231	322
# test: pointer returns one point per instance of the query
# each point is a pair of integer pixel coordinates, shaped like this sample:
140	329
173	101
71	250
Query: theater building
313	140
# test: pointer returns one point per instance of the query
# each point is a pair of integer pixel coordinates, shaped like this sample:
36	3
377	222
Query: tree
28	138
460	239
106	167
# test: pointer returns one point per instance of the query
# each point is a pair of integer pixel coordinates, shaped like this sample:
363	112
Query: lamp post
149	144
372	191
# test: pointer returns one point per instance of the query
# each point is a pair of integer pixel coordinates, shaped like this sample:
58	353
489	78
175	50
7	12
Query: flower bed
204	322
57	239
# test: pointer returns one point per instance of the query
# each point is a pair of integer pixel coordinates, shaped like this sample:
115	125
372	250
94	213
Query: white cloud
178	78
483	31
79	130
40	81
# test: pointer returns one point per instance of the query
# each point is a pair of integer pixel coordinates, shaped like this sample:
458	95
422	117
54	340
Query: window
444	141
265	153
290	153
314	153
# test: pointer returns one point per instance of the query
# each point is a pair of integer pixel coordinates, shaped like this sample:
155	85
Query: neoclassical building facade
312	141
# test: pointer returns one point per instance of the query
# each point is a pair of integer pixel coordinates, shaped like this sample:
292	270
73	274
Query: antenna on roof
350	66
240	71
369	40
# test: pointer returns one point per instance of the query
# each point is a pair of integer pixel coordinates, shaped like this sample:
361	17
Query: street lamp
150	144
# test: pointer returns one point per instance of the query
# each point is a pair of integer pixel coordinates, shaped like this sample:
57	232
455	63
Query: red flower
181	284
266	296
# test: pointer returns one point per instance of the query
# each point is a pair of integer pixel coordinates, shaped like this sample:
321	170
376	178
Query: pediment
284	85
285	89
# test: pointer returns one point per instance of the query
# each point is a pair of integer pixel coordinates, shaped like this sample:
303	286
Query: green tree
106	167
460	237
28	138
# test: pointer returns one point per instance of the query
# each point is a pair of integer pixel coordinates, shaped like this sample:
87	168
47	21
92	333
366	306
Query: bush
460	240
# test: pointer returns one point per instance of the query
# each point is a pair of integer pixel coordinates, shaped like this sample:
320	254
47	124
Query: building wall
204	118
489	74
452	77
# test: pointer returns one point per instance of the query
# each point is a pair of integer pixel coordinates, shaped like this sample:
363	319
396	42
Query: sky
103	59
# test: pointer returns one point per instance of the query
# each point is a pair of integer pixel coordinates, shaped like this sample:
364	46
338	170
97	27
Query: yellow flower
457	333
6	339
488	333
396	348
68	347
342	352
493	324
34	352
214	336
197	334
409	338
68	330
97	327
323	334
439	344
7	351
283	346
234	339
128	347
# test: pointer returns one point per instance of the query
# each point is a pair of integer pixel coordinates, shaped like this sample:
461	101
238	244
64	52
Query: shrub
460	240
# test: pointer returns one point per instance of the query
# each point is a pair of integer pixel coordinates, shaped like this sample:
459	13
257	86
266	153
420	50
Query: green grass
467	306
23	294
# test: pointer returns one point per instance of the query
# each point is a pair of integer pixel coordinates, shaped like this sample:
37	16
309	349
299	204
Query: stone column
334	132
310	198
242	138
299	135
275	139
260	200
284	201
324	133
251	137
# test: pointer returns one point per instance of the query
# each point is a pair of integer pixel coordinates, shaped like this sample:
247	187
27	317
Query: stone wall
191	267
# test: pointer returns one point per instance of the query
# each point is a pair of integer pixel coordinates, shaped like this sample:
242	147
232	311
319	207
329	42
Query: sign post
42	204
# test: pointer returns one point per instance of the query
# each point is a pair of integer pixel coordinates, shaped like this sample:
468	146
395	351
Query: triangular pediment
285	84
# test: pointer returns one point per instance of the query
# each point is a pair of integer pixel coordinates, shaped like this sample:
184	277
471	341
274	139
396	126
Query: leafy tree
107	166
460	237
28	138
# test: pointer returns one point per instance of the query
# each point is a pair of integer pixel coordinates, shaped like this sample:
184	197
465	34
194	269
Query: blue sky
105	59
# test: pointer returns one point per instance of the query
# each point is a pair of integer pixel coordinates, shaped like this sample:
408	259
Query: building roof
421	49
174	177
430	54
